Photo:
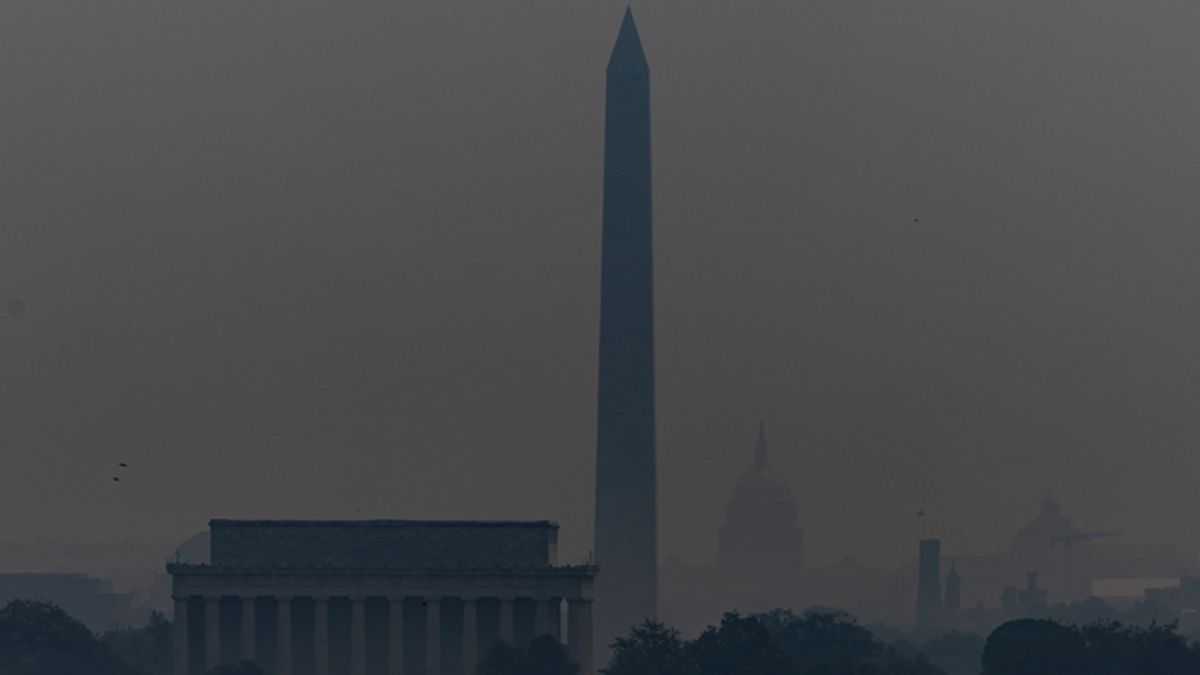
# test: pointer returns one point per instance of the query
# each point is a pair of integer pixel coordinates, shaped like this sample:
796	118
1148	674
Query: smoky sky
316	259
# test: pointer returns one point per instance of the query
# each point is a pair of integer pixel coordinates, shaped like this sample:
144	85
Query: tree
910	665
826	639
651	649
956	653
830	642
37	638
146	649
501	659
243	668
544	656
1034	647
1114	649
739	646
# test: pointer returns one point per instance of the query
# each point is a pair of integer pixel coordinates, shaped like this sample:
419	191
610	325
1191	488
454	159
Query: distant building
760	552
1125	593
953	599
760	555
929	584
129	566
1023	602
980	591
1072	564
383	596
195	549
90	600
1032	598
1181	601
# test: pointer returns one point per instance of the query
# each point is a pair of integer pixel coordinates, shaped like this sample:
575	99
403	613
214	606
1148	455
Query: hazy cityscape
559	338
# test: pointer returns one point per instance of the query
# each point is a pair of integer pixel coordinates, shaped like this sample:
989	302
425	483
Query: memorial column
470	642
321	635
579	634
433	635
541	617
182	653
248	644
358	636
283	636
212	633
396	636
506	620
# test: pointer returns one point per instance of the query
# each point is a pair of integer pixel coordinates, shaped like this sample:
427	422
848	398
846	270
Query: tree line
37	638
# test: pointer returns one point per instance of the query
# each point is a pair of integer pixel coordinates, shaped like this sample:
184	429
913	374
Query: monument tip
627	52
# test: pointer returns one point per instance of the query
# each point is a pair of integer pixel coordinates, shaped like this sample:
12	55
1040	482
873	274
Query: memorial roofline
508	570
388	523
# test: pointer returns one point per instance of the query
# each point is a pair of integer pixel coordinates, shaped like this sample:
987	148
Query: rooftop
448	524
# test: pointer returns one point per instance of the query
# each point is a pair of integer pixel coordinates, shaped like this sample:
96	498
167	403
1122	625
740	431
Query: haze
299	259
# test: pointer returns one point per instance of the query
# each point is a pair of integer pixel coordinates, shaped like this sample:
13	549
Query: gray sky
316	259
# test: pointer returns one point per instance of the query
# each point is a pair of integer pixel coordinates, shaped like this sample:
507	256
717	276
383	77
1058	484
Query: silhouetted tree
908	665
739	646
1144	613
544	656
501	658
1037	647
824	639
1114	649
243	668
956	653
146	649
1033	647
37	638
651	649
831	642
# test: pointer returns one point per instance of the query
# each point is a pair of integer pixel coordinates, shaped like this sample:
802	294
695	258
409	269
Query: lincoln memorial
376	597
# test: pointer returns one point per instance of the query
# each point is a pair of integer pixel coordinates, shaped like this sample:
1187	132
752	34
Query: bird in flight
116	480
124	465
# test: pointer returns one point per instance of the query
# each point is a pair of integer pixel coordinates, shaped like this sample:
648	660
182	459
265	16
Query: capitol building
760	554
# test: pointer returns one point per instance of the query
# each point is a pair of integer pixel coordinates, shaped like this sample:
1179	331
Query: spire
760	447
627	53
953	597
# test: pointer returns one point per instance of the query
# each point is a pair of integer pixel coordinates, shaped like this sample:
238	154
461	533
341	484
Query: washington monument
627	588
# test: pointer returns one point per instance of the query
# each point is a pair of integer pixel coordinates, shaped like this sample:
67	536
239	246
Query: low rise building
380	597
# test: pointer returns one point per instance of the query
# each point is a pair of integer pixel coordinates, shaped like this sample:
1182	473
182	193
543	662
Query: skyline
192	302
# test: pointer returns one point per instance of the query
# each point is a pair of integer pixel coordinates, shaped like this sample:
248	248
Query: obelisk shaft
626	551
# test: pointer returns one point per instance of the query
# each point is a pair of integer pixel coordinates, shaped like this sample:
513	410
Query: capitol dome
760	493
760	517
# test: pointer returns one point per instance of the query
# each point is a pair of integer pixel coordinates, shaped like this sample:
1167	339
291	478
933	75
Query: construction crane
1070	538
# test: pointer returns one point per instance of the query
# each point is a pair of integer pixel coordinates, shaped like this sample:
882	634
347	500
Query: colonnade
546	621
